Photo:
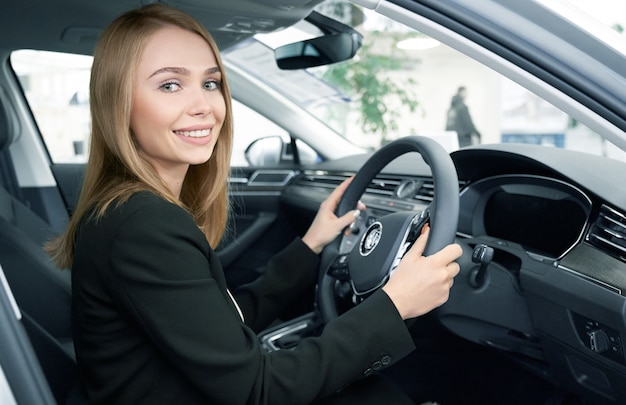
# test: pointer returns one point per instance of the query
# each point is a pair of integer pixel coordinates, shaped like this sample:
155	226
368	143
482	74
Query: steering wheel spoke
412	233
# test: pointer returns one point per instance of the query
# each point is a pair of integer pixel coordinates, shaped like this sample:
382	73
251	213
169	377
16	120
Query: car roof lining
229	21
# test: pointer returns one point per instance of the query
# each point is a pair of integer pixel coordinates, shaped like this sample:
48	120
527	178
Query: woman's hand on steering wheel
422	283
327	226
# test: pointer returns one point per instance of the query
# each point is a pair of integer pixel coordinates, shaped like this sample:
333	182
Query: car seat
24	379
42	291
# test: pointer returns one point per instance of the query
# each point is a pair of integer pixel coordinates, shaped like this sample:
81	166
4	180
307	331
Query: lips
200	133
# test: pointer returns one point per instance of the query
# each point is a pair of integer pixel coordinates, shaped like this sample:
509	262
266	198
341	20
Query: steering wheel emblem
371	238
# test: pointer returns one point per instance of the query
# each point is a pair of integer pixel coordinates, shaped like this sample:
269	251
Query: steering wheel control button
339	268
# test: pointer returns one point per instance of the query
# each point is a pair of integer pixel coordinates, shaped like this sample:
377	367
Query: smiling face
177	106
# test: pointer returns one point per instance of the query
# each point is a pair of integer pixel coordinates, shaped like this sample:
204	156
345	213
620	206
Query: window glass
56	86
249	126
402	82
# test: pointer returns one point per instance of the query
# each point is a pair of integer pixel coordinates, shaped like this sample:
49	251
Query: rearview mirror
318	51
340	42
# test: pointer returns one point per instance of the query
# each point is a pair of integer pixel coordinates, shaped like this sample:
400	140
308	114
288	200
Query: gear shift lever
482	254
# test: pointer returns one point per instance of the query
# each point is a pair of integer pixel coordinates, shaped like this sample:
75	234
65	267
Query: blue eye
170	87
212	85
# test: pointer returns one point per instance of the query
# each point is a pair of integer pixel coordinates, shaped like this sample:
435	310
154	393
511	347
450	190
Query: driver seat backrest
42	291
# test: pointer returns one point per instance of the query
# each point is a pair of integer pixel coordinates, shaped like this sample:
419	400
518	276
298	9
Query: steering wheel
366	263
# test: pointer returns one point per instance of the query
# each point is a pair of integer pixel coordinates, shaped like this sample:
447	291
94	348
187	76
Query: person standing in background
459	119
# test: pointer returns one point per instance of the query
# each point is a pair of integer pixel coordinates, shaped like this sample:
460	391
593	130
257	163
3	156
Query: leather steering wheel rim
443	211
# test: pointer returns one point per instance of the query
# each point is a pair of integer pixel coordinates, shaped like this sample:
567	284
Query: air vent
380	185
388	186
321	180
383	186
426	192
608	233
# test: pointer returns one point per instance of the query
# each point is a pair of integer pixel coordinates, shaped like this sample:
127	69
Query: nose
201	102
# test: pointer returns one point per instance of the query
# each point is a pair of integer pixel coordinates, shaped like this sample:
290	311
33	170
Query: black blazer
154	322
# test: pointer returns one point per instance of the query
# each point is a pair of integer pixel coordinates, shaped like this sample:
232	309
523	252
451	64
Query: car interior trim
271	177
592	279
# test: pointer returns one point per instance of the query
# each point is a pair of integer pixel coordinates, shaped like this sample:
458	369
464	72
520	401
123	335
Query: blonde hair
115	170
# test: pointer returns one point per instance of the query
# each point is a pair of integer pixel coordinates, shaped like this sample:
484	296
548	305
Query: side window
249	127
56	86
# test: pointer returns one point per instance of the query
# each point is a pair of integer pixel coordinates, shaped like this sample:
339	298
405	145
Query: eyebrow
182	70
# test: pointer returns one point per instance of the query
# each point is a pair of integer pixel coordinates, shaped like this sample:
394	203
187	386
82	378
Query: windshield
402	82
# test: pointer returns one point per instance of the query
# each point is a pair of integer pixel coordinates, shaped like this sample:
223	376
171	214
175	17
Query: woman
154	321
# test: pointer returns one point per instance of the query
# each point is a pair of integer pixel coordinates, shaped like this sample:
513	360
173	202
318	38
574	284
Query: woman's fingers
334	197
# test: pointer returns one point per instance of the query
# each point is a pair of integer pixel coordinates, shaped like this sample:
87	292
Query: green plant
375	95
372	90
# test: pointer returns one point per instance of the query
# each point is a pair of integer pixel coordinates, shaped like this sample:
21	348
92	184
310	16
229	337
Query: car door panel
258	226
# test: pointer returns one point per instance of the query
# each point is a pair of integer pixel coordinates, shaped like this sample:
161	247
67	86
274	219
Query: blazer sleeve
286	277
161	278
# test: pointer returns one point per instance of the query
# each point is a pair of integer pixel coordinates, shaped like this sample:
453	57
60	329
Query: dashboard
545	216
555	293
